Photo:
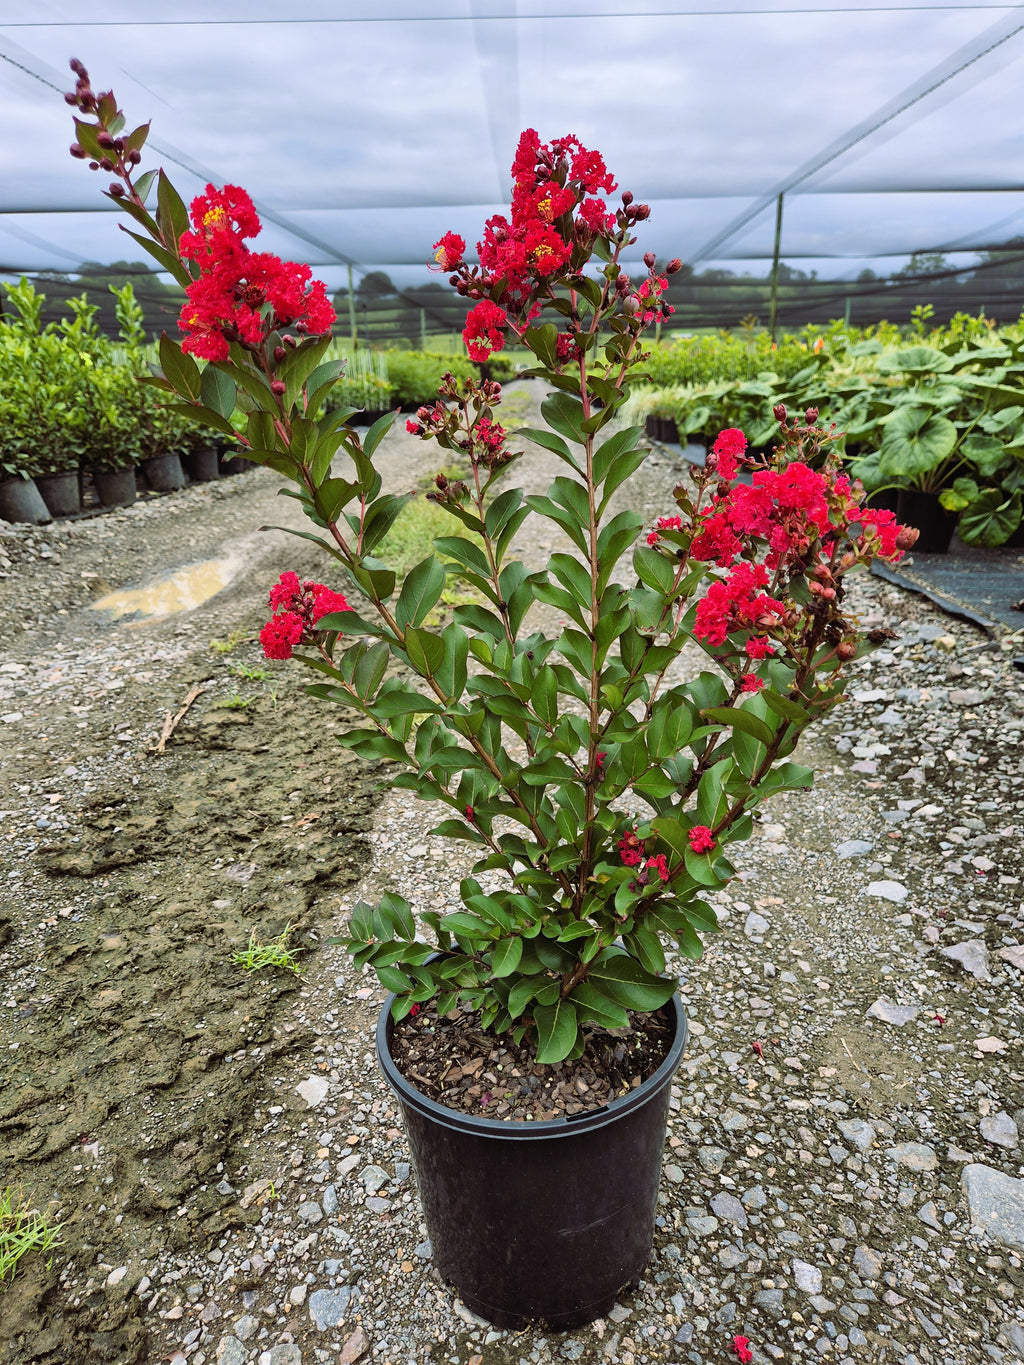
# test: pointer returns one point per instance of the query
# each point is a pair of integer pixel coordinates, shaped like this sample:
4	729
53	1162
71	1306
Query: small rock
285	1354
808	1277
916	1156
297	1295
1013	955
674	1174
972	956
328	1307
468	1317
727	1206
314	1090
996	1202
929	1215
618	1313
225	1188
755	925
712	1159
245	1327
854	848
116	1276
230	1351
701	1225
754	1198
373	1177
309	1212
329	1200
998	1128
893	1014
867	1262
889	891
423	1250
771	1301
355	1346
857	1132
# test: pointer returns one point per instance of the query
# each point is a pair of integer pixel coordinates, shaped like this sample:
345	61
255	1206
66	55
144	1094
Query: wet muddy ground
148	1085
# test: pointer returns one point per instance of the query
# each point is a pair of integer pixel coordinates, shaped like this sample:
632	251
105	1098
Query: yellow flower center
214	217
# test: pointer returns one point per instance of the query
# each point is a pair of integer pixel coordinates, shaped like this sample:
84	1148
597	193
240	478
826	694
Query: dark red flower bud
278	387
846	650
134	158
77	151
104	138
106	163
642	211
674	265
117	189
811	416
779	412
279	353
907	537
70	99
627	198
650	260
78	68
94	165
289	340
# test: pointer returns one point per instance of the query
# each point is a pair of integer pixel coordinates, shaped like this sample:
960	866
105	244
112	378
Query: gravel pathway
844	1176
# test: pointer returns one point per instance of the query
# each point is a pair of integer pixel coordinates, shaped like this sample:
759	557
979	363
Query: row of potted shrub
934	421
72	408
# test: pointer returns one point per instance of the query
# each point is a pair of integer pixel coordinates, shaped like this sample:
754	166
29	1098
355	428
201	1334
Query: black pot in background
164	473
202	465
115	487
885	500
662	429
21	501
236	464
539	1221
62	493
923	510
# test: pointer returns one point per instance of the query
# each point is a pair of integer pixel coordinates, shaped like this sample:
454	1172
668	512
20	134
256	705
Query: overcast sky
370	128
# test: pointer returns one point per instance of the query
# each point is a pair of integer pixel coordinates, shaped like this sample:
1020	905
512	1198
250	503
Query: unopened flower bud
779	412
289	340
94	165
104	138
117	189
846	650
278	387
106	163
631	305
77	151
279	353
78	68
134	157
642	211
811	416
70	99
674	265
907	537
650	260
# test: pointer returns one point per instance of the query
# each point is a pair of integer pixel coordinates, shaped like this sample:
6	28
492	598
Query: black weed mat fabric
982	586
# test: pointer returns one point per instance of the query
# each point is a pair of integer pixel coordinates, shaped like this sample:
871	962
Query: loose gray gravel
854	1194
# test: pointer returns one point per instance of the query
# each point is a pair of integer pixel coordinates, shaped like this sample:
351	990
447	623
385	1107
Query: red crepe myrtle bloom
484	332
660	865
297	607
750	682
728	448
631	848
741	1345
701	839
448	252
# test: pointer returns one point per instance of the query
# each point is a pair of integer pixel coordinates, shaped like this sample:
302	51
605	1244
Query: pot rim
518	1129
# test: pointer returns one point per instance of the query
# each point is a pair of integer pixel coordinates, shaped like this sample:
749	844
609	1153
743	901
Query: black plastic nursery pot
926	513
539	1222
164	473
236	464
21	501
115	487
62	493
203	465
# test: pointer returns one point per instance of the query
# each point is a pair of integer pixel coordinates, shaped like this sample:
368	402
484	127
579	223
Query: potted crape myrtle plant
531	1036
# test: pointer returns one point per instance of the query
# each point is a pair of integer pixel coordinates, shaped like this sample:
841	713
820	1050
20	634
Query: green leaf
171	213
425	650
506	956
740	719
654	569
556	1031
564	414
592	1006
179	369
218	392
916	441
990	520
551	442
420	593
623	979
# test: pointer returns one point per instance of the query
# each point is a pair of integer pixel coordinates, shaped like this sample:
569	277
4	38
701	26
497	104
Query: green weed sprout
22	1230
277	954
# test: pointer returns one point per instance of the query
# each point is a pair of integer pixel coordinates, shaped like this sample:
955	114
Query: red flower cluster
241	295
297	607
728	451
736	603
552	182
664	524
646	302
448	252
701	839
631	851
741	1345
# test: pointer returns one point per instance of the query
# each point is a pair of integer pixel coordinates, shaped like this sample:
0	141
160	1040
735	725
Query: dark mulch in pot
454	1062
